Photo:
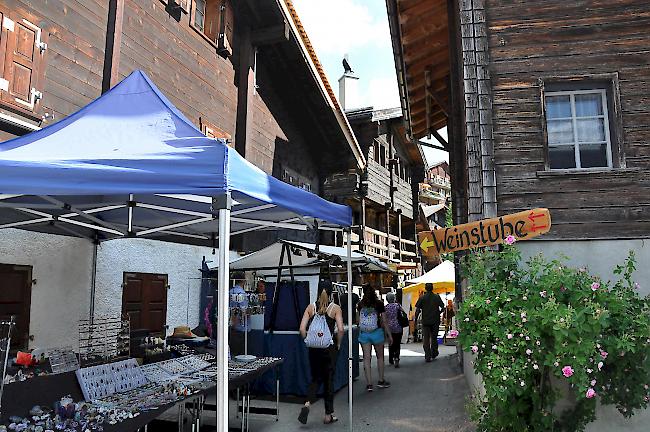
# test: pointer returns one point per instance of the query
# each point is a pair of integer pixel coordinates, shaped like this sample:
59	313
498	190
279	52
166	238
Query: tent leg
350	327
93	283
222	320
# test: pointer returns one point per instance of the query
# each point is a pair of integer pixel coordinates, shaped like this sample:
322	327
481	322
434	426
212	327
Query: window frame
574	121
588	81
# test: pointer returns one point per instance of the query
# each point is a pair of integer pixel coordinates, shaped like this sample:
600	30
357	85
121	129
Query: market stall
130	165
296	268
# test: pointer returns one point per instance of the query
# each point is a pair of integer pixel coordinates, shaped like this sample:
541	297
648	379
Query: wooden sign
522	226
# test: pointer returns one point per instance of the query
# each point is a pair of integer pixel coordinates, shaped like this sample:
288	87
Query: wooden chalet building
243	70
384	195
546	105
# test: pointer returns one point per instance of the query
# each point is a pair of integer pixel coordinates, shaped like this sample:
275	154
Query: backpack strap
328	308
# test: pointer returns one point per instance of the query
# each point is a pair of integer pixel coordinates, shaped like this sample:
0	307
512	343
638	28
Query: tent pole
222	316
350	326
93	283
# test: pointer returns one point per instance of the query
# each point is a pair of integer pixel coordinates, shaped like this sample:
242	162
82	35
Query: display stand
5	347
104	338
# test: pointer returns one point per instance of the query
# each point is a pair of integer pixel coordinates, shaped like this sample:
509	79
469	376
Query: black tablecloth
19	397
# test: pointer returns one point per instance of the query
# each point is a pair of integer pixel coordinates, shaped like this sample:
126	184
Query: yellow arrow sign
426	244
521	226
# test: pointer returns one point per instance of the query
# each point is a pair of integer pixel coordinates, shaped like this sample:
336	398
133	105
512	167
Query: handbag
402	318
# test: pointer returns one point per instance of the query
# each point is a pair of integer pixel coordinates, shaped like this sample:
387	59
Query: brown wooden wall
530	41
75	33
180	61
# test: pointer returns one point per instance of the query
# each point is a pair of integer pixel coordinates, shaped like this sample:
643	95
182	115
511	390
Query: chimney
348	91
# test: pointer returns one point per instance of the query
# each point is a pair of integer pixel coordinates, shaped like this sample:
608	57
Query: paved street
424	397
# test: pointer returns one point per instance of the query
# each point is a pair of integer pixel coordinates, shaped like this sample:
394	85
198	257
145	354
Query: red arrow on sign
532	216
537	227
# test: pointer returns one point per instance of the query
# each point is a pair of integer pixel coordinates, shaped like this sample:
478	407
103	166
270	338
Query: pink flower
542	293
529	351
600	365
510	239
603	354
510	336
590	393
562	288
567	371
474	349
636	285
595	286
593	383
453	333
488	301
589	371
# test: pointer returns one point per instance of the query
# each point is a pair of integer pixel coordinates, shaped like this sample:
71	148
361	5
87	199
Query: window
578	129
215	20
212	131
382	155
375	147
22	49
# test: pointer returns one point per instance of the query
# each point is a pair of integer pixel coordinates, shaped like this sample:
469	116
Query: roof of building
299	30
419	31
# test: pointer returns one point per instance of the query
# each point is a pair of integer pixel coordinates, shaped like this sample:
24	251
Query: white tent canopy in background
442	273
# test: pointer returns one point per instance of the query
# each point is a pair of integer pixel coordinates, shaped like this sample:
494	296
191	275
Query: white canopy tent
130	165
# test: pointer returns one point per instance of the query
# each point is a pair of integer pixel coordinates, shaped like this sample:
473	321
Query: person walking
373	331
393	311
450	312
430	305
317	330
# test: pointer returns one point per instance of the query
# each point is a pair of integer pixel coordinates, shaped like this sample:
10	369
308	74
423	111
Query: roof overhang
419	31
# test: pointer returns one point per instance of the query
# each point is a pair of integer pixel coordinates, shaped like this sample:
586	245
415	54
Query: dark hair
428	287
369	296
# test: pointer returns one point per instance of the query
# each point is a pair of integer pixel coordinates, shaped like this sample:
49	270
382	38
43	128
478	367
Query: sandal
304	413
333	419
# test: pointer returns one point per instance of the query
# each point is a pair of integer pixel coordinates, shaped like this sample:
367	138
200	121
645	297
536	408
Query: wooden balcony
389	249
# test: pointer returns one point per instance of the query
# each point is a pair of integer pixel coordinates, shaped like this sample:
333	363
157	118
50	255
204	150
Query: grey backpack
319	334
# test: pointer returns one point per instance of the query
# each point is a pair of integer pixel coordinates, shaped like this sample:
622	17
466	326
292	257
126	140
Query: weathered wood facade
508	62
384	196
555	44
241	70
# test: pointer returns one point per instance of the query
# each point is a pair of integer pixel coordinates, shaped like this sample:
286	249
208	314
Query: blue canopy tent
130	164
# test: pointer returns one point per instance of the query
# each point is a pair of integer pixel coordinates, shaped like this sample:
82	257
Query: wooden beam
440	139
271	35
437	98
110	74
245	88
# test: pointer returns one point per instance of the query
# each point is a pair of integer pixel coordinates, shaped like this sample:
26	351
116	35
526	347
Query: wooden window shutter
212	131
226	29
22	64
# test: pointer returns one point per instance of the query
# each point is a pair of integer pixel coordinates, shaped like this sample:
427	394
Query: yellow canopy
442	277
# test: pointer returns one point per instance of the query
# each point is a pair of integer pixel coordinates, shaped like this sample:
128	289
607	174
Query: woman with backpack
397	319
373	331
317	329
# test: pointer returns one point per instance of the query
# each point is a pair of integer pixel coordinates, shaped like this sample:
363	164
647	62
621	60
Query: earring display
193	363
104	338
63	360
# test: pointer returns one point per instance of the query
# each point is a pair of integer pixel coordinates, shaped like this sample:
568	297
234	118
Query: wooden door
144	299
15	299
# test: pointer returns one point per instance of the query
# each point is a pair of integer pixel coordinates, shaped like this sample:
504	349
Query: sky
358	28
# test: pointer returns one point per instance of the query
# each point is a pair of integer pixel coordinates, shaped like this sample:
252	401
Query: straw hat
183	332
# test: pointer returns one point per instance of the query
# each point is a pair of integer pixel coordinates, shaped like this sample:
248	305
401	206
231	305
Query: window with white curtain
577	126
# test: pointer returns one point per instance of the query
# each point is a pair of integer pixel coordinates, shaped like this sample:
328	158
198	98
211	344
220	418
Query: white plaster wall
181	263
61	296
601	256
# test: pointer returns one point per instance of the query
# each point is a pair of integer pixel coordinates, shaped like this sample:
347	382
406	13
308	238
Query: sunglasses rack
104	338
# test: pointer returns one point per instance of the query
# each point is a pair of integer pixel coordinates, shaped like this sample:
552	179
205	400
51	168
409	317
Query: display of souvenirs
104	338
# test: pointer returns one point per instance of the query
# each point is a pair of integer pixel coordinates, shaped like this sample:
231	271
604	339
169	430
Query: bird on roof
346	65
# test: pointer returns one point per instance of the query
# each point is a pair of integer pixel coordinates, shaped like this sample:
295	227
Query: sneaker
383	384
370	388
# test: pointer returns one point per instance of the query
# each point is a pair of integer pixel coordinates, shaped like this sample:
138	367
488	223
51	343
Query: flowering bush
542	328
